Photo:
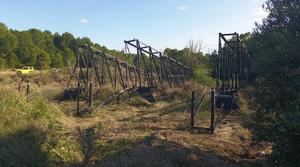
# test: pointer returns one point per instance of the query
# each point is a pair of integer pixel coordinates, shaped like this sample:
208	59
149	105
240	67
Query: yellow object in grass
25	70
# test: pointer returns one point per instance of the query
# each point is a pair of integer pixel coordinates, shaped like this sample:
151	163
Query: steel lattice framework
160	68
148	68
234	65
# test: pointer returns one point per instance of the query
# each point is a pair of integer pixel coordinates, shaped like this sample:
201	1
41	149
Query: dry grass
166	125
136	133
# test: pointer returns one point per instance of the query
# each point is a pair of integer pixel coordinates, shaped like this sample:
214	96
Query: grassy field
40	130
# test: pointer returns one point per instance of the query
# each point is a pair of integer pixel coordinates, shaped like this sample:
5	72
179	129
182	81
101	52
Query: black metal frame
234	71
234	65
95	66
160	68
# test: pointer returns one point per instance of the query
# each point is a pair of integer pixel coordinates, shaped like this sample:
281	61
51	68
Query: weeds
24	128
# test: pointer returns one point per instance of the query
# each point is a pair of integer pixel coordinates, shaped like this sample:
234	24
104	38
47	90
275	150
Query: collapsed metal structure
233	72
234	66
146	68
159	68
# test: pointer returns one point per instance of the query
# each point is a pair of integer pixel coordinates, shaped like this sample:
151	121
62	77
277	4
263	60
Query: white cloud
182	8
84	21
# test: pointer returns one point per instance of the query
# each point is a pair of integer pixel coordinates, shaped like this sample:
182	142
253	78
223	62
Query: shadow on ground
157	152
23	148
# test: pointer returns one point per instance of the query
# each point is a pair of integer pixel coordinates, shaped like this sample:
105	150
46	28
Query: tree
12	60
8	43
195	46
68	41
194	53
57	61
43	59
275	48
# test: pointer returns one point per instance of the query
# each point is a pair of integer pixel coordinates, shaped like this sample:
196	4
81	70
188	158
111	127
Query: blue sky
160	23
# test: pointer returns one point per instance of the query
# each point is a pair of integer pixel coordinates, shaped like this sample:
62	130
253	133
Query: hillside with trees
45	50
38	48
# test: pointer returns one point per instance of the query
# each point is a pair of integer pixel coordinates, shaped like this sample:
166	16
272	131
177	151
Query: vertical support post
160	69
126	76
138	62
115	79
193	110
144	78
102	70
90	95
19	87
232	71
236	64
165	69
150	68
87	70
219	63
239	60
227	70
223	68
212	110
78	98
28	88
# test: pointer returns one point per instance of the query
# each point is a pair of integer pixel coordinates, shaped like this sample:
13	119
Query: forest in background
38	48
45	50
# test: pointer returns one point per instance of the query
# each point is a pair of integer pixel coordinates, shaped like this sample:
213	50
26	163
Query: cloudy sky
161	23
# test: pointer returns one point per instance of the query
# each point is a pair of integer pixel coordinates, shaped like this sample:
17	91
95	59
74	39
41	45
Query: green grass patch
25	126
202	76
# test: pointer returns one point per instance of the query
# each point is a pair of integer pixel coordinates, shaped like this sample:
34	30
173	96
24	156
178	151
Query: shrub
202	76
24	127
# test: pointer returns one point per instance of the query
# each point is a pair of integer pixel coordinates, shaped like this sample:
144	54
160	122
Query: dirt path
161	135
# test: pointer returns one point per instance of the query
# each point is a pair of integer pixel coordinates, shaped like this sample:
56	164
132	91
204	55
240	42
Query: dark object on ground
146	93
70	93
228	100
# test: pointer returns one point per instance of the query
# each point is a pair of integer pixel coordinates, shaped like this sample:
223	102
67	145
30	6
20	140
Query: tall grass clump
24	128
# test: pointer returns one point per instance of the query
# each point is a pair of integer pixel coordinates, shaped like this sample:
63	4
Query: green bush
25	125
202	76
274	49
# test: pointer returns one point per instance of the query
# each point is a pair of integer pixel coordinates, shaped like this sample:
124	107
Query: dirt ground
158	134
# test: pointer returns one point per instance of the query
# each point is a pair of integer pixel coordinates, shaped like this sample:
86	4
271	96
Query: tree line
40	49
43	50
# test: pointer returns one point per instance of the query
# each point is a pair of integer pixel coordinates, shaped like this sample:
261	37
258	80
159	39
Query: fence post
192	110
28	88
90	95
212	110
19	88
78	98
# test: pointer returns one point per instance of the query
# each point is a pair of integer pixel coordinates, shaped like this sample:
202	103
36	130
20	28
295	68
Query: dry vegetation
125	133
